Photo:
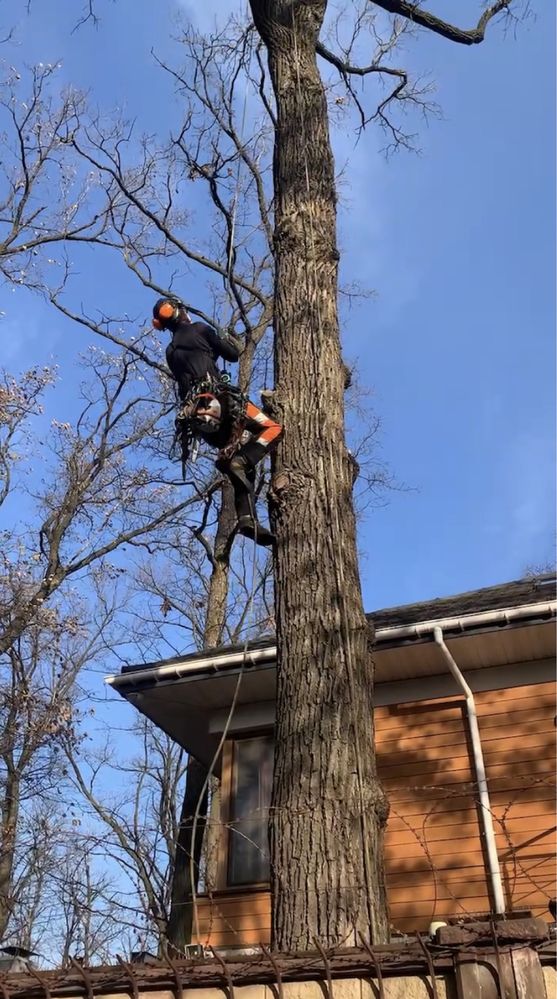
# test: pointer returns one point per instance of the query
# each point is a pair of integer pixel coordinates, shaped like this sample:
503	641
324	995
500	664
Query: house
465	726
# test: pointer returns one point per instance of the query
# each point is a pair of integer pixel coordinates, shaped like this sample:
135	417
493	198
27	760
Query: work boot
251	528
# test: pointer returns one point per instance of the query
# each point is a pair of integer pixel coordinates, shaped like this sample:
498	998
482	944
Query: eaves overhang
510	625
263	656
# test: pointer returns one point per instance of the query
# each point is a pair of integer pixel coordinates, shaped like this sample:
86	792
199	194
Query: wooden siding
434	859
520	760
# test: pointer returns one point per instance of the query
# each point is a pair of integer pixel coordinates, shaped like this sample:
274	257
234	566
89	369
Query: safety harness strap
188	432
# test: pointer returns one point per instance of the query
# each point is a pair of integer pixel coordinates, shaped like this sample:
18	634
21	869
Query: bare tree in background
100	497
38	714
95	496
138	824
44	199
95	487
149	232
67	905
91	915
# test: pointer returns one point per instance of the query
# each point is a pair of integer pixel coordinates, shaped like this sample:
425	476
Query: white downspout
479	766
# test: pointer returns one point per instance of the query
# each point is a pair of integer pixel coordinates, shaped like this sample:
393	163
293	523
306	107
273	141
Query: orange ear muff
167	310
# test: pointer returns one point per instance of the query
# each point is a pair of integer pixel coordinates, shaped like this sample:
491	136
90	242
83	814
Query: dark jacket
193	352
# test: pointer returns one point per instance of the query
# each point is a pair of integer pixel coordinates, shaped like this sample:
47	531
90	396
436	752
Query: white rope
225	731
232	233
222	739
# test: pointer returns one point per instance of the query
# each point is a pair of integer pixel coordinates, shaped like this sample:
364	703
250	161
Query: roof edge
266	655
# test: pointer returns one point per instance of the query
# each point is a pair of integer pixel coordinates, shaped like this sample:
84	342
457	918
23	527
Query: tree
100	486
66	903
44	201
93	486
328	808
92	497
130	219
137	826
209	147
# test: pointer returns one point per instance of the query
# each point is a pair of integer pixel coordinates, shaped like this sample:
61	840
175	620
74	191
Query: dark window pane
248	854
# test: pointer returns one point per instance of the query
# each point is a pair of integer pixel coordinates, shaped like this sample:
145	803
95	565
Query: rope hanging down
232	228
211	769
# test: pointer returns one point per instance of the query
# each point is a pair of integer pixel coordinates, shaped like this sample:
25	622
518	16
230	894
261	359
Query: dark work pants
263	436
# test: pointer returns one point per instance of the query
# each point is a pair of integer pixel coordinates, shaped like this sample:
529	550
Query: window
248	840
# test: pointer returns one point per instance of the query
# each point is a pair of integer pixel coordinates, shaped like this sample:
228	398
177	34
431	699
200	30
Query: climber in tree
216	411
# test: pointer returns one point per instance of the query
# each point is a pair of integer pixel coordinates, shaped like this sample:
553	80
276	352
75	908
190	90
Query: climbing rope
232	229
230	716
222	739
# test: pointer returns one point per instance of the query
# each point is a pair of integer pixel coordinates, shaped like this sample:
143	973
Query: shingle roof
530	590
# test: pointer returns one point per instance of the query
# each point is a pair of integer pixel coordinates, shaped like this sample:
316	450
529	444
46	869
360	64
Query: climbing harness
201	415
206	414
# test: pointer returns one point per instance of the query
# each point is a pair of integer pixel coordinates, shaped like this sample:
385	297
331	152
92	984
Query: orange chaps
257	436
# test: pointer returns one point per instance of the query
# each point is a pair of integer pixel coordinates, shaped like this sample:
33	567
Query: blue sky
458	244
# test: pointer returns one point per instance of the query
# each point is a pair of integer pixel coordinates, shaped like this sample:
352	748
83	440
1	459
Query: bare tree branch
101	328
345	69
414	12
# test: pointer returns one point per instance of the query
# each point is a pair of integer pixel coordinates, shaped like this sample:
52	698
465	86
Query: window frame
228	778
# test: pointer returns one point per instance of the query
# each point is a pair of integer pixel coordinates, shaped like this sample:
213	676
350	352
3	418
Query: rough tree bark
9	812
180	922
215	617
328	809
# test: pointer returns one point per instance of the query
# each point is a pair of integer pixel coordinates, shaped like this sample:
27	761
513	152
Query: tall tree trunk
180	923
217	598
9	814
328	808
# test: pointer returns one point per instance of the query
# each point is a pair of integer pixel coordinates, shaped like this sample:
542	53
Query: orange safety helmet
165	310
